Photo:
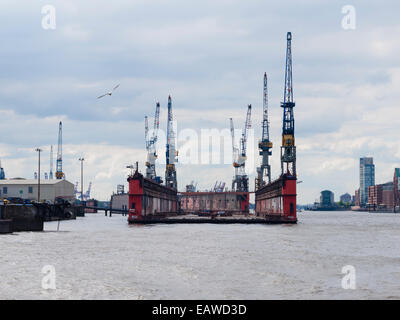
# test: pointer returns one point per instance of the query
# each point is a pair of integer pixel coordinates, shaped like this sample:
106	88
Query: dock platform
193	219
5	226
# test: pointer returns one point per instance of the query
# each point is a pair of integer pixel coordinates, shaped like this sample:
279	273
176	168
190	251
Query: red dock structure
228	202
149	199
277	201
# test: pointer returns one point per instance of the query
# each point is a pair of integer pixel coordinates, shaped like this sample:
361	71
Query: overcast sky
210	56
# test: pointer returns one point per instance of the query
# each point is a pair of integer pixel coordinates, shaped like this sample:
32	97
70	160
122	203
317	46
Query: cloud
75	32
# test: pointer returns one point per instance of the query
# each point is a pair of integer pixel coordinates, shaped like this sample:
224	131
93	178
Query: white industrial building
120	201
28	189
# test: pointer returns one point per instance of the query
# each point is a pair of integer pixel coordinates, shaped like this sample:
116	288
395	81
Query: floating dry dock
153	203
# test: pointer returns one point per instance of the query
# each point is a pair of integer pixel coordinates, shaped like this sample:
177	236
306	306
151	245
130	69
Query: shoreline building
381	196
388	194
396	186
367	178
327	199
346	198
50	190
357	198
119	200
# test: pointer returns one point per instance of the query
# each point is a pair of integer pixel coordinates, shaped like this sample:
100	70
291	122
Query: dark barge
192	219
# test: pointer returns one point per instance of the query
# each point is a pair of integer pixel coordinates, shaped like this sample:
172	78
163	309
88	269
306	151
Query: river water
98	257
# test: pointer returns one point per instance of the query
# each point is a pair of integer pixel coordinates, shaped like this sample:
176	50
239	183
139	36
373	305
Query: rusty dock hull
210	203
149	199
276	202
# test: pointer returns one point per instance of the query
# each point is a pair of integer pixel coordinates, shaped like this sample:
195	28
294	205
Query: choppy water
98	257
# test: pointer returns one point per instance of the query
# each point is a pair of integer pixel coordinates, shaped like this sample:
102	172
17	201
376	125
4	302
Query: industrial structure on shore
47	190
148	198
27	189
276	200
151	199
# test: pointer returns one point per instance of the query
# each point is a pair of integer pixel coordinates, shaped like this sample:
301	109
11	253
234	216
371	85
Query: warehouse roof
30	181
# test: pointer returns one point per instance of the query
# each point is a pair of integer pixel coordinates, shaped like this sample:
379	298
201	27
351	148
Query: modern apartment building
367	178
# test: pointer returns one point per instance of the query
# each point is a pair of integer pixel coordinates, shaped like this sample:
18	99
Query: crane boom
247	126
156	124
87	195
151	144
59	172
234	149
265	123
171	153
265	145
146	132
240	180
288	149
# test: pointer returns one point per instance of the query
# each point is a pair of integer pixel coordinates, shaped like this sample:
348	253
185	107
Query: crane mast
146	131
288	148
265	145
87	195
171	153
59	172
235	152
241	180
151	144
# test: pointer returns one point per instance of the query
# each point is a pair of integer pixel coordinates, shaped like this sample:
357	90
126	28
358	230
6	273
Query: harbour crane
215	186
265	145
151	144
171	153
241	180
235	150
288	148
87	195
235	154
59	173
219	186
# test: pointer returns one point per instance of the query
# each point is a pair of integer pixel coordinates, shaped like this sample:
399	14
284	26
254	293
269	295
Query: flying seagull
109	93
